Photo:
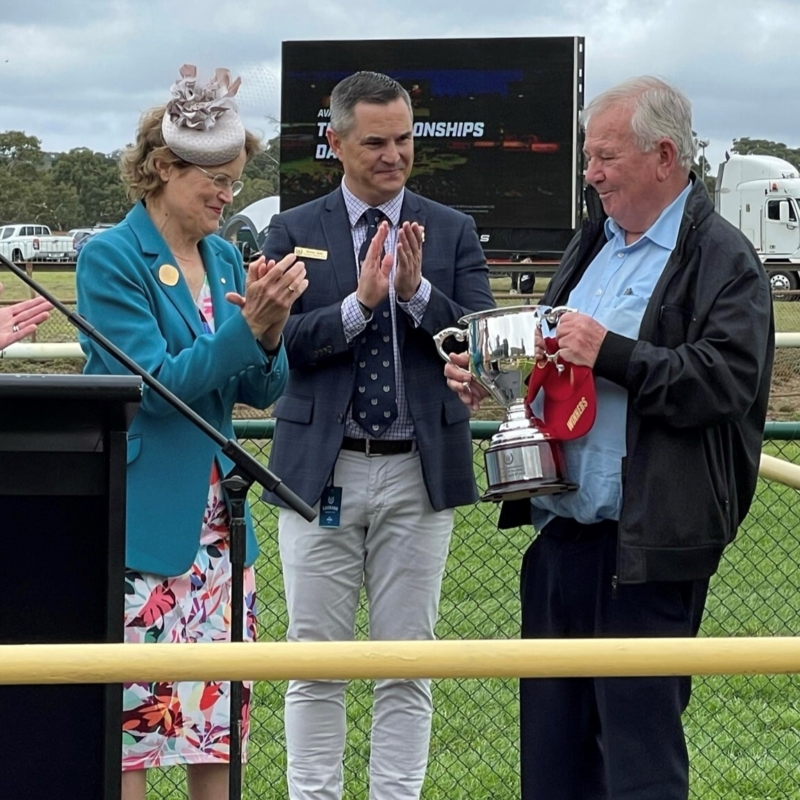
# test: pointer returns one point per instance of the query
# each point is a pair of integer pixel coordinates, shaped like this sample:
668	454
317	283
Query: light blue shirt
615	291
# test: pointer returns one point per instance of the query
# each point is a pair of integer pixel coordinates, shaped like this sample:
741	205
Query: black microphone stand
237	482
236	487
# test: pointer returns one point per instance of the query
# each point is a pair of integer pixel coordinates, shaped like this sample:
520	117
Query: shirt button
599	292
620	255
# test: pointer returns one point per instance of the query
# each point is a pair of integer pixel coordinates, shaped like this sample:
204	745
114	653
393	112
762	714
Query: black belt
379	447
570	530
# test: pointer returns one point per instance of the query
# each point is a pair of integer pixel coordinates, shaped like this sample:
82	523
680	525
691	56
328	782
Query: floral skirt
186	722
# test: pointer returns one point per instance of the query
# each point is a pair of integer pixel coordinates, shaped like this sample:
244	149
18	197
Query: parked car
82	235
81	240
33	242
78	235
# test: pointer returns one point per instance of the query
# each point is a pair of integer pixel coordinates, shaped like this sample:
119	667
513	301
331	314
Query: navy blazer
310	417
169	459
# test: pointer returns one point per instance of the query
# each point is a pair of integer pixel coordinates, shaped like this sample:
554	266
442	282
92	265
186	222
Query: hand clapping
373	279
270	289
408	274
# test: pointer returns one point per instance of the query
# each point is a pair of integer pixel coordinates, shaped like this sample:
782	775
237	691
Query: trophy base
524	464
520	491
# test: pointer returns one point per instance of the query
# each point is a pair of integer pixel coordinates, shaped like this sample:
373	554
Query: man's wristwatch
365	309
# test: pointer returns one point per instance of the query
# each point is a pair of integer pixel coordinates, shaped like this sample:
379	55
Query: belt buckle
367	451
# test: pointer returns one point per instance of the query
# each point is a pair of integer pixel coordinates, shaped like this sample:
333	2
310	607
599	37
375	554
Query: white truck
760	195
34	242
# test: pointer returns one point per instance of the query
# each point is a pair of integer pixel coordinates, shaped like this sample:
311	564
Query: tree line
82	188
763	147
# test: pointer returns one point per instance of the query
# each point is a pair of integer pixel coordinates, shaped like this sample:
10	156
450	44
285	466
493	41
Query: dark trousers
601	738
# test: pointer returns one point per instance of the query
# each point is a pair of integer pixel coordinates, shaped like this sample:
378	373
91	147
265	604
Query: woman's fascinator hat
201	123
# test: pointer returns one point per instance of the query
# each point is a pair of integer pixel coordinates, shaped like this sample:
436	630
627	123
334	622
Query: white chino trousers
391	540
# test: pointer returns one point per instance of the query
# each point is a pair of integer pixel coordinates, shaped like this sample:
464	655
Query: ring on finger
15	328
290	289
465	386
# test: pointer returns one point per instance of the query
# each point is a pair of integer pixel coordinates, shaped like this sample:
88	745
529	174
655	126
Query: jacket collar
412	209
152	243
150	240
592	237
339	241
698	204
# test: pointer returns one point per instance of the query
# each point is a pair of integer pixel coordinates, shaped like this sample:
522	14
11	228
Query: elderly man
368	426
674	315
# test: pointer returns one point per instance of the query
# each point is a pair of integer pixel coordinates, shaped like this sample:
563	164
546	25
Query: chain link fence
785	392
784	397
743	731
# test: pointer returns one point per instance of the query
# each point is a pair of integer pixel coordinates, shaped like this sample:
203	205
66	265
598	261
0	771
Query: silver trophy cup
522	460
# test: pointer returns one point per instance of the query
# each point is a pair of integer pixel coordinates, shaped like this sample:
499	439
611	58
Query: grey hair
363	87
659	110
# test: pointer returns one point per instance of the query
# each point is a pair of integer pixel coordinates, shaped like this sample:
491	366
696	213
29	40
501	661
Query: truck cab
760	195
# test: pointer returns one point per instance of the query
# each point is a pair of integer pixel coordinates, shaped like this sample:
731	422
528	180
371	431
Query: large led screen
495	122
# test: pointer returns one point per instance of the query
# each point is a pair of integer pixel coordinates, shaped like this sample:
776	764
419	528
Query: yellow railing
536	658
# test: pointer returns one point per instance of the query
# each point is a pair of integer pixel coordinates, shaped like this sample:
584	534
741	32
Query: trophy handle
438	339
554	314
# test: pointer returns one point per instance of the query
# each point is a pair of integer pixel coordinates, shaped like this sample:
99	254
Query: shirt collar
664	231
356	207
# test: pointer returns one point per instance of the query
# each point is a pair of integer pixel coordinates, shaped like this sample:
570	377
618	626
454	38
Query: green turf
743	732
62	284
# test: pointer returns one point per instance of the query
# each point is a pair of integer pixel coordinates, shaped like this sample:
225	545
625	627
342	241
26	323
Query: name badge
330	507
309	252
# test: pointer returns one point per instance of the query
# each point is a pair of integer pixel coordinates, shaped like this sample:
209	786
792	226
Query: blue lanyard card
330	507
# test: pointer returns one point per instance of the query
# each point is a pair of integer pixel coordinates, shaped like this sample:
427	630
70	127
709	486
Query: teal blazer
121	293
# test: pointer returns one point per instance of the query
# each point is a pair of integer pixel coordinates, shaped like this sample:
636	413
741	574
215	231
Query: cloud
61	14
80	73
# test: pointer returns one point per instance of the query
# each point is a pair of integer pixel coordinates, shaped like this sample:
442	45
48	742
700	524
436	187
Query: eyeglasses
222	182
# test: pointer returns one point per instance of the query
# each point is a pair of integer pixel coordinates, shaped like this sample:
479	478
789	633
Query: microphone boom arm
230	447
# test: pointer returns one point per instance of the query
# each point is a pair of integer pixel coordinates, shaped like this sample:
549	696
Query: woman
174	296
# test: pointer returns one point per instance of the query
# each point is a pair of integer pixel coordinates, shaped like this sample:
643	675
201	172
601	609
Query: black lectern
63	459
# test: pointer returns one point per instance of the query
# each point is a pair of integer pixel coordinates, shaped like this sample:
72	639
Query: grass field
743	732
62	284
785	400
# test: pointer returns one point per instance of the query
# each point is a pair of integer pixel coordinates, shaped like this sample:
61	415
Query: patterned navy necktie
375	396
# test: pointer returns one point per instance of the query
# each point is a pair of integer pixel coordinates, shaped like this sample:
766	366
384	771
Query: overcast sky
77	73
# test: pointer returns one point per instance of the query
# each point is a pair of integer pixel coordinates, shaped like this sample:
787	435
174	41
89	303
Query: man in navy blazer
368	429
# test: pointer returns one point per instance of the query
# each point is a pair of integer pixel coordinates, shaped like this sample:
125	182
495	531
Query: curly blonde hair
137	164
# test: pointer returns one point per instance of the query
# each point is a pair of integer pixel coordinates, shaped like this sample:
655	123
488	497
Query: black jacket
698	382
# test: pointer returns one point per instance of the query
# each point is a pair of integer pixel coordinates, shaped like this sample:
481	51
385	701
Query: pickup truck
34	242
